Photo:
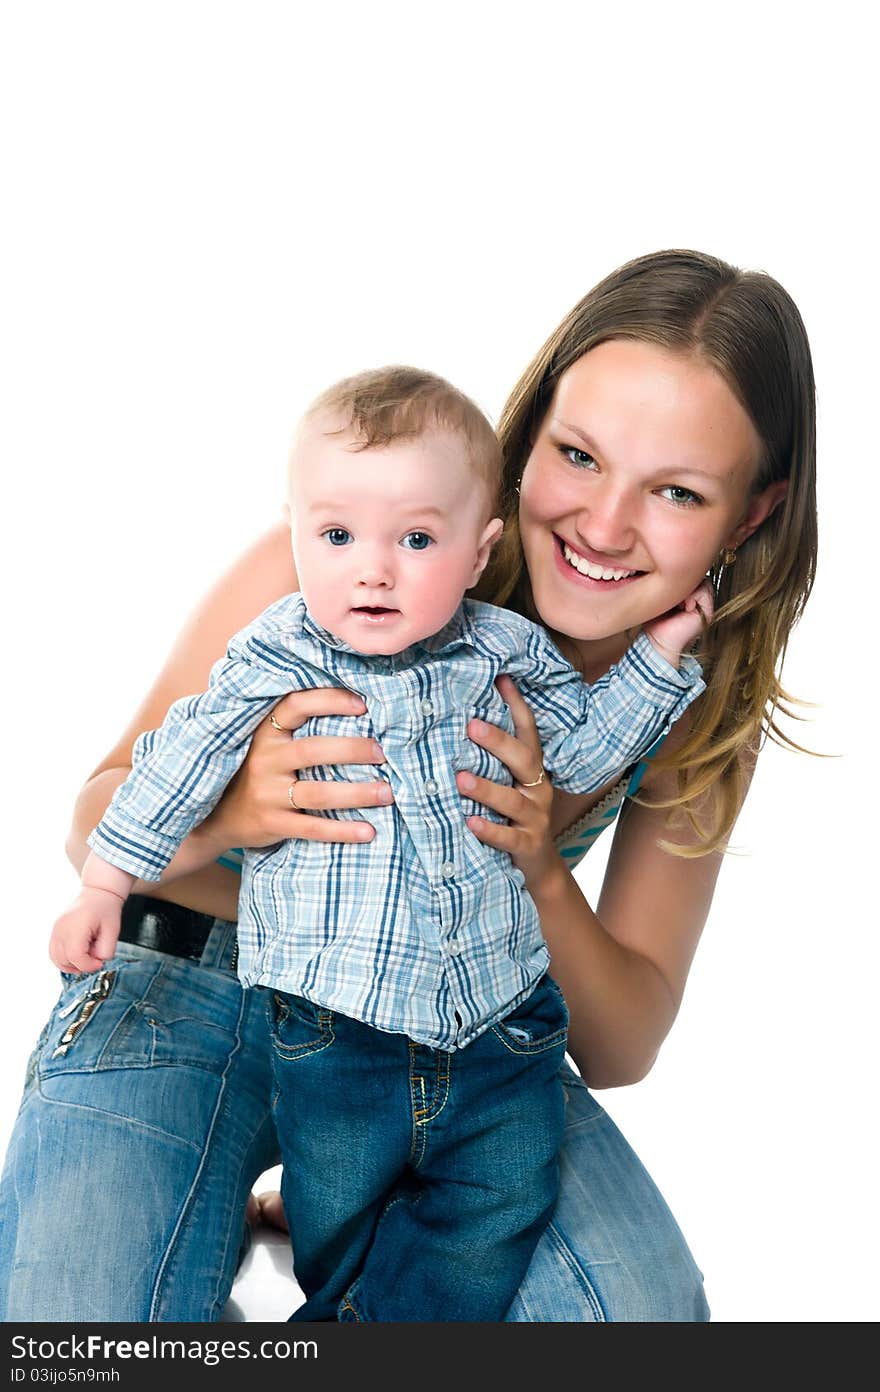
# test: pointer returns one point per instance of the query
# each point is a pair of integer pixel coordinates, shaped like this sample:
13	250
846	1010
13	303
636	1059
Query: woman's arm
244	817
624	967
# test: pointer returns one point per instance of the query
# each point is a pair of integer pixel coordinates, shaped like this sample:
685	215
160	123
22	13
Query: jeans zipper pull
96	993
69	1009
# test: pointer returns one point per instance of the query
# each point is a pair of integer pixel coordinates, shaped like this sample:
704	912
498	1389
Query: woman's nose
609	523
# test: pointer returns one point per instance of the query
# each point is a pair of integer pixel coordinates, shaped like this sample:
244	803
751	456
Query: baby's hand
673	633
85	936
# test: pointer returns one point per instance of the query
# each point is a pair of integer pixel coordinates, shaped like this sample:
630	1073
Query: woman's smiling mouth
572	561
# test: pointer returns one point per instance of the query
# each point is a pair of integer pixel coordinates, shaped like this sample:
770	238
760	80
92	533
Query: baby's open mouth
374	611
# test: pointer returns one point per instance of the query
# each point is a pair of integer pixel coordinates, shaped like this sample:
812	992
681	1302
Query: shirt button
453	949
426	707
430	787
447	870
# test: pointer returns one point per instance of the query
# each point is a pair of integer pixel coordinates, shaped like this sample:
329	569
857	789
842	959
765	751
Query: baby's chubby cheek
430	605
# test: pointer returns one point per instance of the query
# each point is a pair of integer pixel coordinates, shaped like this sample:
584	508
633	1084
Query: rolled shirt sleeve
590	733
179	771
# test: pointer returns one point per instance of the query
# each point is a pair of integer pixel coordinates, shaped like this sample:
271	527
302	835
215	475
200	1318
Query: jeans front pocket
299	1028
538	1023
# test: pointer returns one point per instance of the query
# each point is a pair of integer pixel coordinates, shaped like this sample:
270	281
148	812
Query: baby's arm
178	776
673	633
591	733
180	771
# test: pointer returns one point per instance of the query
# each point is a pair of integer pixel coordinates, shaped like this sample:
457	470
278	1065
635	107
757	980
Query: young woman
664	433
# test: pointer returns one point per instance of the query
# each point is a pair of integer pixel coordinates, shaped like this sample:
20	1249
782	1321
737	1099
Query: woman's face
641	472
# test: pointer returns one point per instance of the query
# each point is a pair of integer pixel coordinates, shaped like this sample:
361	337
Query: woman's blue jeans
138	1141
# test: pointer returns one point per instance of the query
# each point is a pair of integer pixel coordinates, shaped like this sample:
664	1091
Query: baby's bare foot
271	1210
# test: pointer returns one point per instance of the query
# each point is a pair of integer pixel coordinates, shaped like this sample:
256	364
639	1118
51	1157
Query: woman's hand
527	837
255	810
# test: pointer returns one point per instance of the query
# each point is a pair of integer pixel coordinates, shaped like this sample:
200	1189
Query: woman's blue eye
338	536
417	541
681	497
579	457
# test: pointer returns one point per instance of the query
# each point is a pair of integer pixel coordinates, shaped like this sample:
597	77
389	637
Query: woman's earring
516	485
727	556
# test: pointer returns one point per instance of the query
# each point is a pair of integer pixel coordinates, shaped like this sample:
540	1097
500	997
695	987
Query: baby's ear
490	534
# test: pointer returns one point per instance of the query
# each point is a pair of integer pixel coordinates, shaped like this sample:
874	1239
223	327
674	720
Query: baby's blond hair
387	404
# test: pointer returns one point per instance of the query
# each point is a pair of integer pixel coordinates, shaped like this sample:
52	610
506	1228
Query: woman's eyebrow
575	430
668	469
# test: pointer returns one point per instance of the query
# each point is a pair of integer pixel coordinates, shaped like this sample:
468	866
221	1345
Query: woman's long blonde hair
748	328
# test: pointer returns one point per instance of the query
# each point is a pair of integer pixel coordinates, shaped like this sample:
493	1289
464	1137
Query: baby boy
417	1035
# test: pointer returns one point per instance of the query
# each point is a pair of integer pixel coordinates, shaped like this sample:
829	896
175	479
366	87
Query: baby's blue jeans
135	1148
417	1181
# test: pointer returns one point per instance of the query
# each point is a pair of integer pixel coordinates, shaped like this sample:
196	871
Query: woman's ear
759	509
490	534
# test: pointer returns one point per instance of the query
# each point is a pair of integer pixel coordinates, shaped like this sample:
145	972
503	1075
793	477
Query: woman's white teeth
593	572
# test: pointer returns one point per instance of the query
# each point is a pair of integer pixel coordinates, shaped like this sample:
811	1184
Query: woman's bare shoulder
255	579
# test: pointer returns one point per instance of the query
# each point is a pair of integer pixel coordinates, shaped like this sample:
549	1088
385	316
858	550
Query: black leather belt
165	927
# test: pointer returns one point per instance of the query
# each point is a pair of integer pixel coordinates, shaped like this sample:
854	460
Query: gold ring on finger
536	782
275	726
290	798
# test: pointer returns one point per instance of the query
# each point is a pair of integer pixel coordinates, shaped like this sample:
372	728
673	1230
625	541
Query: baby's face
386	541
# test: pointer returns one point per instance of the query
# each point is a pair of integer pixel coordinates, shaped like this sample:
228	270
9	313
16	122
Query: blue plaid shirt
423	930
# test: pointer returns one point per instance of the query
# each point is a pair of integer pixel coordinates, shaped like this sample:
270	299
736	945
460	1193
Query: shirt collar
457	633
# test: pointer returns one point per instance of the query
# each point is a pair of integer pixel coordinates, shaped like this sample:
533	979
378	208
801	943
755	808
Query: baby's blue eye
338	536
417	541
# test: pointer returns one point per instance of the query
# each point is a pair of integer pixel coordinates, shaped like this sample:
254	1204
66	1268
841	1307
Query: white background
212	210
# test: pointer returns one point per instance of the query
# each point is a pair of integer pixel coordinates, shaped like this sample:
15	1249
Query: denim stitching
127	1121
539	1047
590	1293
108	1043
291	1052
426	1113
345	1304
158	1293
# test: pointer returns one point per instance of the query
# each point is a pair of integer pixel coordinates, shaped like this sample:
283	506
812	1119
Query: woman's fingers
521	751
317	751
305	827
506	801
524	728
526	832
322	794
503	838
294	710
